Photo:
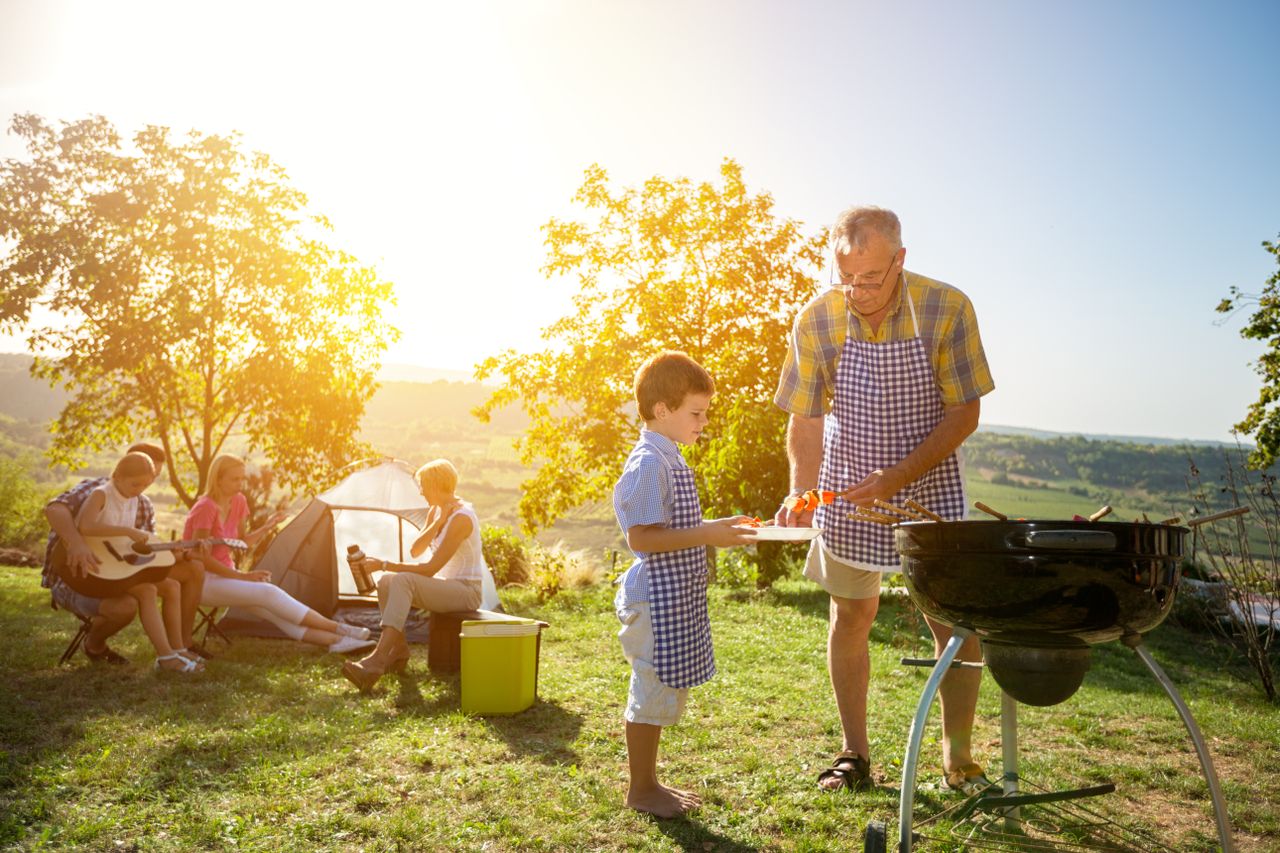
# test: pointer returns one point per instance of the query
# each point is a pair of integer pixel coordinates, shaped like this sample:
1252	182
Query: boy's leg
651	705
644	792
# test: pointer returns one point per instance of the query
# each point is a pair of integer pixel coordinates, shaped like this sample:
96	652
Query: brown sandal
853	771
968	779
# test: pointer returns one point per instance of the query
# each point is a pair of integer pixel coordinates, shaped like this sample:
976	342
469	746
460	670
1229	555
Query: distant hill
1095	436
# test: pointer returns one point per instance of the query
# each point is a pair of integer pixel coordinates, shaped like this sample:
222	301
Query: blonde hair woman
223	513
450	580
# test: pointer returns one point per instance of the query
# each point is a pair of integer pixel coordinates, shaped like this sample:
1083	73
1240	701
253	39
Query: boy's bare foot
661	802
688	797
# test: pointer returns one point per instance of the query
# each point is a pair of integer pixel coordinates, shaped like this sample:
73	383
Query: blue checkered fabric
643	495
682	653
73	499
886	403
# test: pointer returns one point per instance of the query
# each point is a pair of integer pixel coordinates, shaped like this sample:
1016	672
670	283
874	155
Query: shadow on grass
543	732
689	834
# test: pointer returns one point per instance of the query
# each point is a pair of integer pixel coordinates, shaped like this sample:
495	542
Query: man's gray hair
854	224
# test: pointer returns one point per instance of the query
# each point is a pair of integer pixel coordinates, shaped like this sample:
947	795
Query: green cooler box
499	665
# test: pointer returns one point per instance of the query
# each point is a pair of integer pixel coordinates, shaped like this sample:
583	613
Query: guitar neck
185	544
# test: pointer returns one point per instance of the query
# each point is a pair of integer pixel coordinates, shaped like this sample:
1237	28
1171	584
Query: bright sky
1094	175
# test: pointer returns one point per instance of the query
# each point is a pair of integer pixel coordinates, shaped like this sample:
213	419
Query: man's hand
882	484
139	537
785	517
276	517
725	532
81	560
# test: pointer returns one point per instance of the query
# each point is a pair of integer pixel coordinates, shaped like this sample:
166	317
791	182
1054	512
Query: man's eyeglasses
847	280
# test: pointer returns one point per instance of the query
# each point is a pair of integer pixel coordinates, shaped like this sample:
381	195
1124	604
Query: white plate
786	534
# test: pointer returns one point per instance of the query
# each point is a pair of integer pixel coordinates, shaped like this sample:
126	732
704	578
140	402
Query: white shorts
648	699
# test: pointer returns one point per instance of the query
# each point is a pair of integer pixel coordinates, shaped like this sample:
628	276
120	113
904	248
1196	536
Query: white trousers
261	598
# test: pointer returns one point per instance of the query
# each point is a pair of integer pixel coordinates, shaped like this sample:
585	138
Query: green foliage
505	553
672	264
193	300
22	500
547	570
1263	418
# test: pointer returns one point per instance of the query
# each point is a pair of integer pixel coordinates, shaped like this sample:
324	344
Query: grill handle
1072	540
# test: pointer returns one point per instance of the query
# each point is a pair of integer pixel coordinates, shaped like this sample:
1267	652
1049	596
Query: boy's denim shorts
648	699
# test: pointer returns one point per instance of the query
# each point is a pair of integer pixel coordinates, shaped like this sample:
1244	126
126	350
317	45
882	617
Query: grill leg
1202	751
1009	755
906	799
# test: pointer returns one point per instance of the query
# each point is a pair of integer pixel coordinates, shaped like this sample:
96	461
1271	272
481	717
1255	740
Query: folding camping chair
77	640
208	620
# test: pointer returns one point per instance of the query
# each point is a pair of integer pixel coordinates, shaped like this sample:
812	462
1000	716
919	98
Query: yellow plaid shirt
947	325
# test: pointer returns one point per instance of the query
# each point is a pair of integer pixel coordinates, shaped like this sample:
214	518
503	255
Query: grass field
271	750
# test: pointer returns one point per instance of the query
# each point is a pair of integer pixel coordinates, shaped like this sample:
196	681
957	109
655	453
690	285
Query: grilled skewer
897	510
927	513
989	511
868	515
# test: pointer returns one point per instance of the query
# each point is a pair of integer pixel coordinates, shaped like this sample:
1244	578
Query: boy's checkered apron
682	655
886	404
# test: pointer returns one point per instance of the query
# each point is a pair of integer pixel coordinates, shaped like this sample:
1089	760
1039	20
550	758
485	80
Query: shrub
506	554
22	522
553	569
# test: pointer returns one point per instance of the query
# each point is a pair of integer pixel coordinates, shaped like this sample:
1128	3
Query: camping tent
378	507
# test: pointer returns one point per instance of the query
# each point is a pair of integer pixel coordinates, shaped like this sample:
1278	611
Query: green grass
271	749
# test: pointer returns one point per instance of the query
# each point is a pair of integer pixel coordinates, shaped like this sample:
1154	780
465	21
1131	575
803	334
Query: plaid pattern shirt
948	327
73	499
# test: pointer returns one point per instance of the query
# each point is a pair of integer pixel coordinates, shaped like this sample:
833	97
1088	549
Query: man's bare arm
804	453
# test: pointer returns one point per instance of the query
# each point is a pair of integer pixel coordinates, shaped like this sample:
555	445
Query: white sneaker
357	631
350	644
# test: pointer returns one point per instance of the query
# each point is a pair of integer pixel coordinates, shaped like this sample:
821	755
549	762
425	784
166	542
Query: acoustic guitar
122	563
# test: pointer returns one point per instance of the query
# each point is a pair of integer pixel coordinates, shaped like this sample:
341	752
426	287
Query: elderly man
882	382
107	616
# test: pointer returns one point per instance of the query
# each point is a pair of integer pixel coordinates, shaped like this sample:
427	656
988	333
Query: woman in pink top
222	513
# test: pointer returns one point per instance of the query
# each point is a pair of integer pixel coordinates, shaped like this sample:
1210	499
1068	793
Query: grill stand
1009	746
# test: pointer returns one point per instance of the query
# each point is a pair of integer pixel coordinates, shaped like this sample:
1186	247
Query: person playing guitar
70	559
111	510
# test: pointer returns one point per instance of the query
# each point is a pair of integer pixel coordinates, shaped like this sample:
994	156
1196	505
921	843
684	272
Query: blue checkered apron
682	655
886	404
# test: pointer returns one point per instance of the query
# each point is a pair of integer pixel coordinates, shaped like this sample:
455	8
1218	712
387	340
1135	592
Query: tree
1263	418
670	265
187	294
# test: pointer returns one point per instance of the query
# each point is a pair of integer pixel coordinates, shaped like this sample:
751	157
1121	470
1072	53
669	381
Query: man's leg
190	577
959	696
113	614
850	664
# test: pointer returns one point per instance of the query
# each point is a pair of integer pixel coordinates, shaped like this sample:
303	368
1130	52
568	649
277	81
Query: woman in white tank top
449	581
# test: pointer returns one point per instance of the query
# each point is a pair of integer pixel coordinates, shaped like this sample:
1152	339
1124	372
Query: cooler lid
514	627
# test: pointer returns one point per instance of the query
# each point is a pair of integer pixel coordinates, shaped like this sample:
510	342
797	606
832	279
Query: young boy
662	601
